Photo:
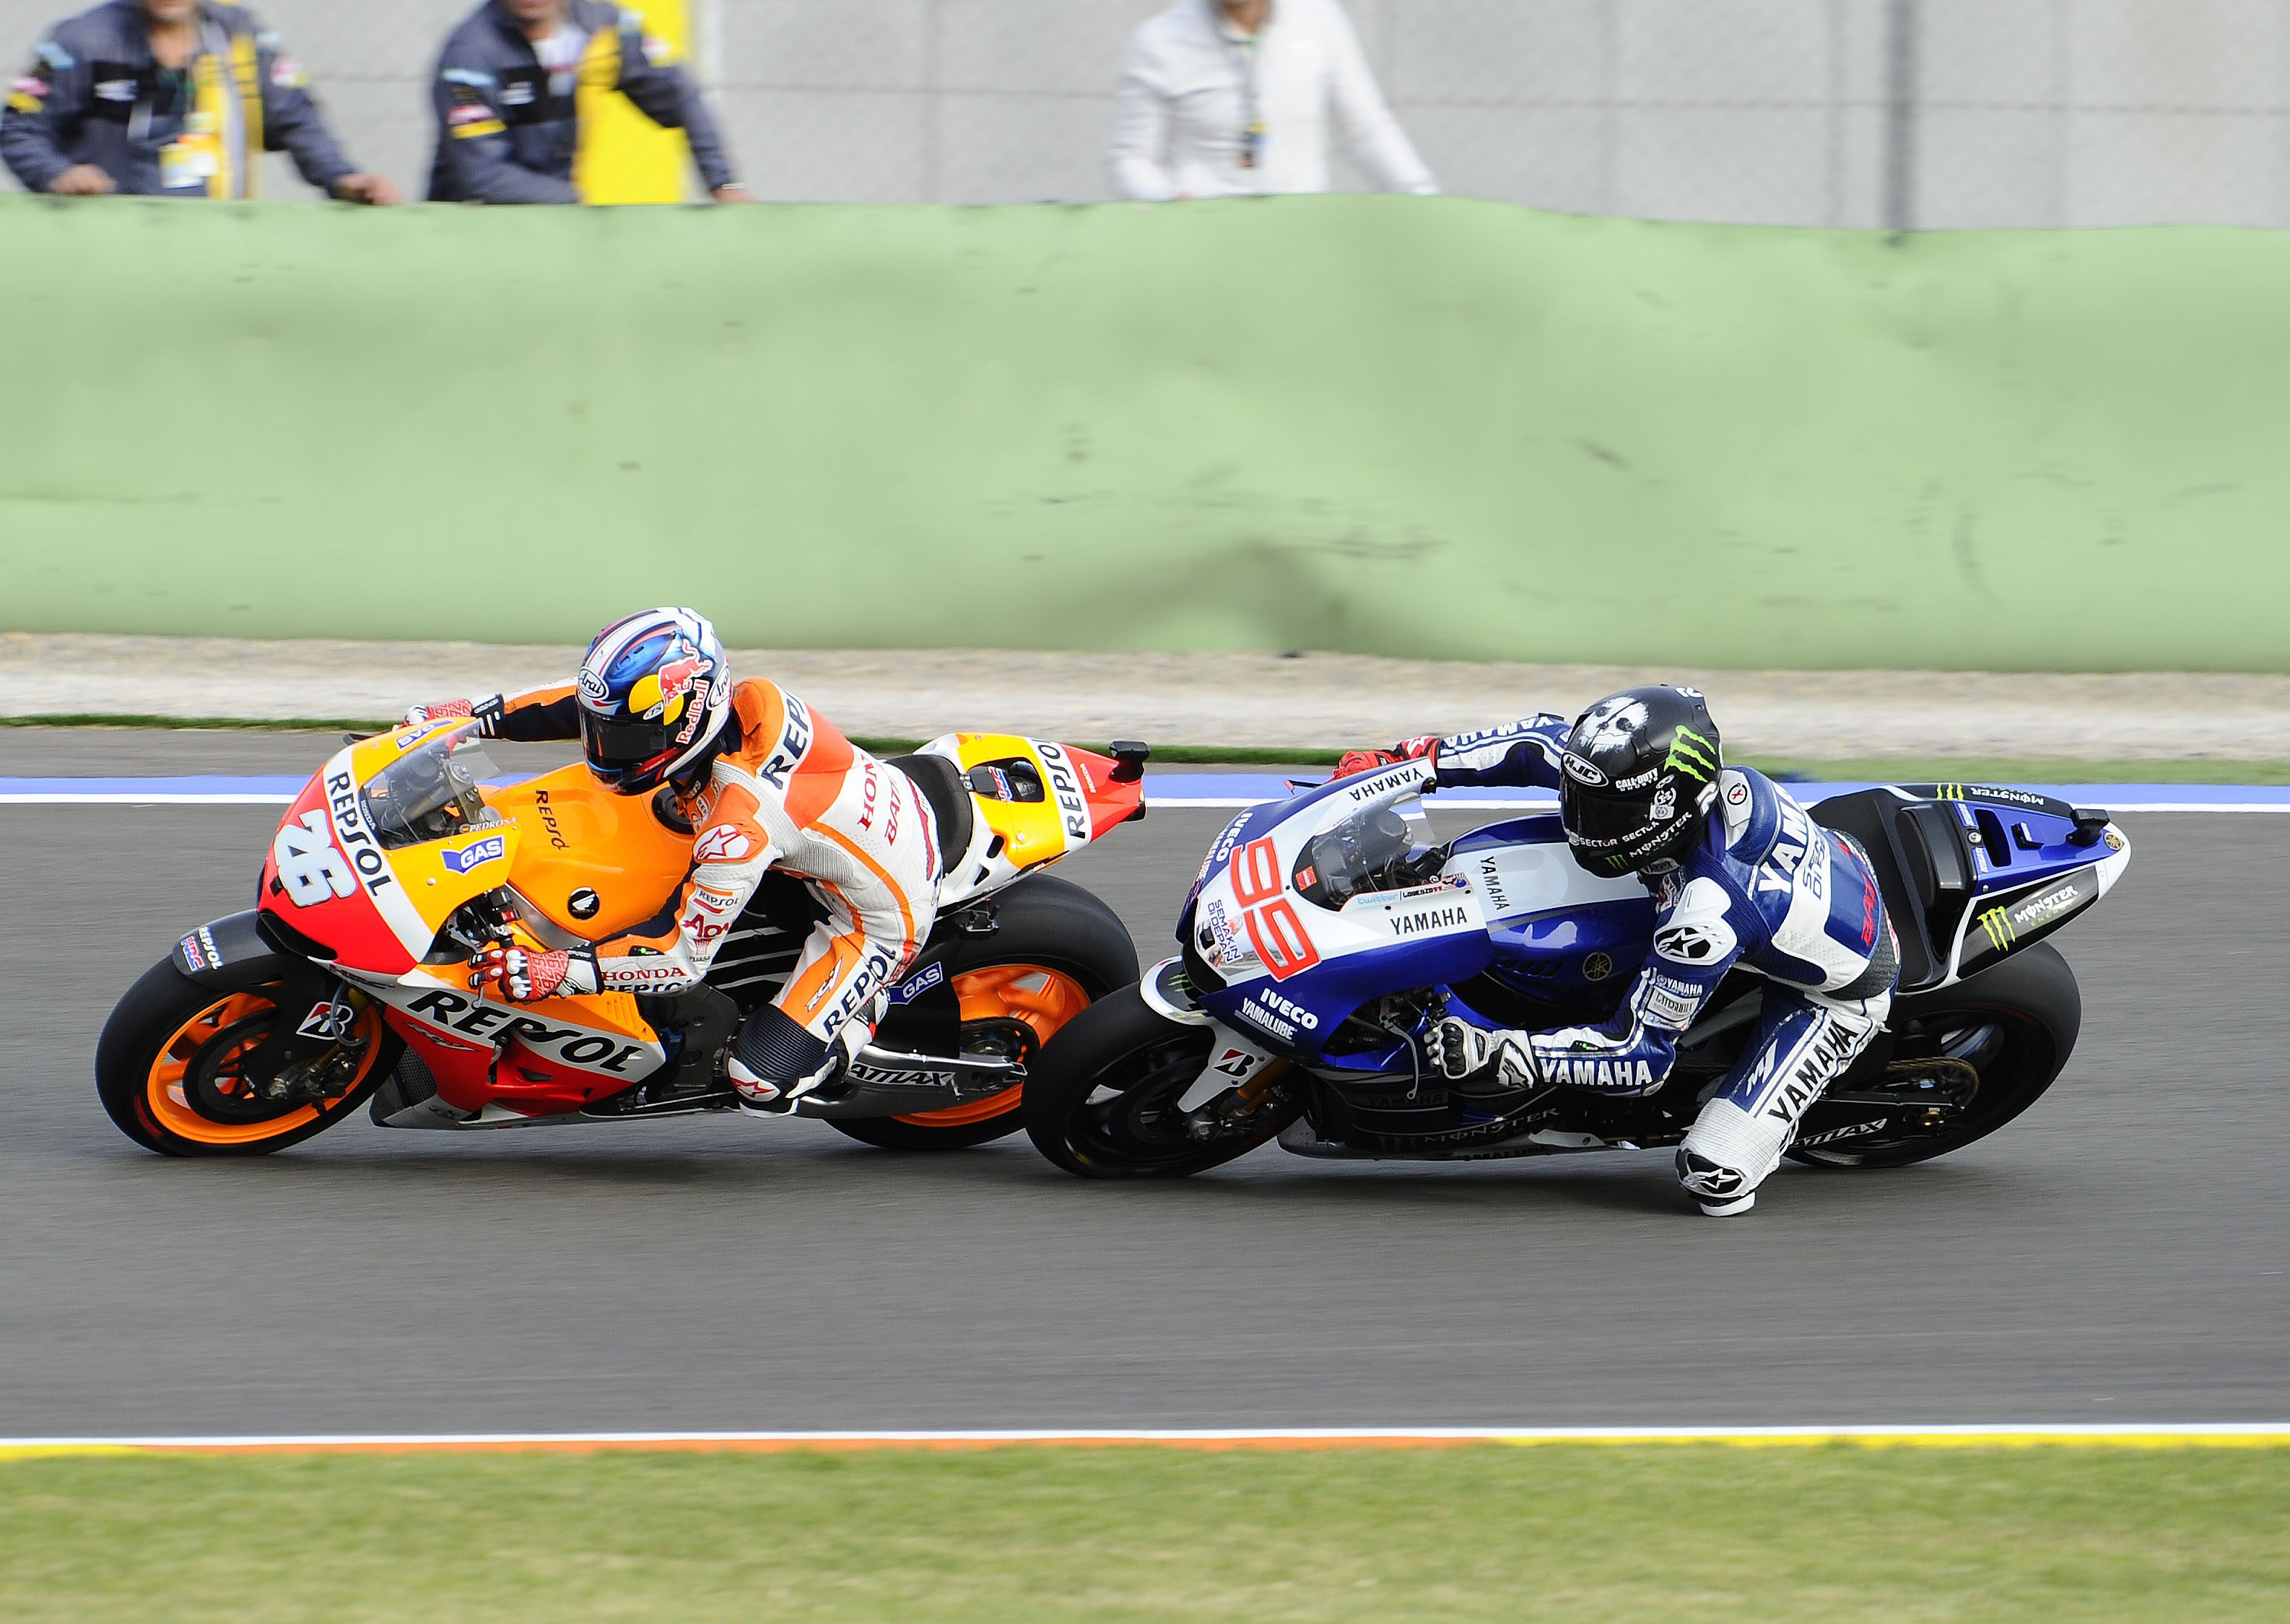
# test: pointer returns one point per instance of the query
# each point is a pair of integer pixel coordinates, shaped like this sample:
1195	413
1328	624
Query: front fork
1241	1077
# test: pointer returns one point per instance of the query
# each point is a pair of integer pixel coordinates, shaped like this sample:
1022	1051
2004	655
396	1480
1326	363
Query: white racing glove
526	978
1460	1049
422	716
486	713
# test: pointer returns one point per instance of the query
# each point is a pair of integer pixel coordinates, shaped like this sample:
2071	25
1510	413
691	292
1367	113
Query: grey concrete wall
2028	112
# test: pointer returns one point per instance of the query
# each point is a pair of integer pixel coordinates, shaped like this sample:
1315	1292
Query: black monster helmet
1640	778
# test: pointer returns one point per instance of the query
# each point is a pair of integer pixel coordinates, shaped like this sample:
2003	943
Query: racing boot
775	1062
1727	1154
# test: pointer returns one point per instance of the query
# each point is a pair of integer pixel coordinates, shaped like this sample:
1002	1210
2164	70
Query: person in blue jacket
169	98
508	119
1741	875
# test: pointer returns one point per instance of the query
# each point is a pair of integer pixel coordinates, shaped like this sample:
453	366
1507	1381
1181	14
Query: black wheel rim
212	1086
1131	1116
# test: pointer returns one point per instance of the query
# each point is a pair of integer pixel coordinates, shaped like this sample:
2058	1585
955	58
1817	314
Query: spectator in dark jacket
509	117
169	98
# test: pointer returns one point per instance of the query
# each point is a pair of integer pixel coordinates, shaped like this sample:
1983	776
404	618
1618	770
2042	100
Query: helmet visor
616	750
1601	822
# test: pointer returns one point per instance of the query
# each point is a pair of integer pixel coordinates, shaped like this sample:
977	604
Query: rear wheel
1120	1095
1055	950
167	1068
1966	1062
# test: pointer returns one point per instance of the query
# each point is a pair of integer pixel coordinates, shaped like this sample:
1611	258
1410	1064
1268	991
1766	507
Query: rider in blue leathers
1740	876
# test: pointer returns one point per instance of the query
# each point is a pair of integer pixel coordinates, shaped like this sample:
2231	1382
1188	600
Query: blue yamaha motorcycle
1326	932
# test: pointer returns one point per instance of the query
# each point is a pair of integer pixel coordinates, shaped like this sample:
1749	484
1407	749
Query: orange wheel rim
1044	999
168	1099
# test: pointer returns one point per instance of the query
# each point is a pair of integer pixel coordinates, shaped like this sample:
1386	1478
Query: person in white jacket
1232	98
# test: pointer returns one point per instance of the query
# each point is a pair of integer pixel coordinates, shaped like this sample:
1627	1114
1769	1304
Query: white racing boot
1727	1154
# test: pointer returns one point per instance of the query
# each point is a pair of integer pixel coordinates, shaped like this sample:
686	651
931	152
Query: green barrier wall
1381	424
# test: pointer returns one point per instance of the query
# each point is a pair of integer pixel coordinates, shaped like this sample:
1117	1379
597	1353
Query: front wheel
166	1067
1966	1060
1055	950
1120	1095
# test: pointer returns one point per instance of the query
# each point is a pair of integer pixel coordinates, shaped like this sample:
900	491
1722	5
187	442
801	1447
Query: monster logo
1692	755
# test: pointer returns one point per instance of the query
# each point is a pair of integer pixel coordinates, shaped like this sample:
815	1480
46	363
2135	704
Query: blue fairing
1555	953
1253	821
2014	844
1579	955
1333	988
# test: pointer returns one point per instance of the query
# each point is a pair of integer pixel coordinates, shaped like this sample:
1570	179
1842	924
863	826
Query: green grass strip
1875	769
1555	1534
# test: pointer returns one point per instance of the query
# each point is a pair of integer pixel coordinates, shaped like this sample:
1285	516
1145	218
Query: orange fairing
579	842
1109	802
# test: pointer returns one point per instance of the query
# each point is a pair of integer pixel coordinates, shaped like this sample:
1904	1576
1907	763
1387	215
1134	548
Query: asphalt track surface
2118	1256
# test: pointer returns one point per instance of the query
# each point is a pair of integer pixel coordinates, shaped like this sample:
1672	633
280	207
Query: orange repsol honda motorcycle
349	982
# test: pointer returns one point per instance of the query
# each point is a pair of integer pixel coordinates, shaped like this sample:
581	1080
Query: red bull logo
676	675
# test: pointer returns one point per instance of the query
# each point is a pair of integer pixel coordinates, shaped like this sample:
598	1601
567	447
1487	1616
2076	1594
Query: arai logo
1583	771
592	685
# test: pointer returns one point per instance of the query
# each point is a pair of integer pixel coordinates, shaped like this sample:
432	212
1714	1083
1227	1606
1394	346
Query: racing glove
1460	1049
1407	749
525	978
486	711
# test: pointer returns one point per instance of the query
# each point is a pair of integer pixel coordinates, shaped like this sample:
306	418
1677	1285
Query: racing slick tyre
1055	950
1966	1060
1110	1098
166	1067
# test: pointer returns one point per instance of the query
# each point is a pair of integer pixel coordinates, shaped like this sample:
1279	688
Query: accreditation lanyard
1247	60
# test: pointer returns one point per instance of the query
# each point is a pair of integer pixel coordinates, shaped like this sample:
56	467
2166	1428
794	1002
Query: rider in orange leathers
763	780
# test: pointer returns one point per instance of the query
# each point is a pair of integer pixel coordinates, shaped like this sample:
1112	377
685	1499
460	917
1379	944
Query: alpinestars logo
1690	944
1704	1177
721	844
1694	756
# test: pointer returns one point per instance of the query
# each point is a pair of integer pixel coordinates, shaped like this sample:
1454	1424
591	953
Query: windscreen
1340	862
430	792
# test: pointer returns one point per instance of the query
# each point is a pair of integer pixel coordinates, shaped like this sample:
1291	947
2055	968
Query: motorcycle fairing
1036	801
1561	933
1973	873
577	840
1292	968
533	1059
363	915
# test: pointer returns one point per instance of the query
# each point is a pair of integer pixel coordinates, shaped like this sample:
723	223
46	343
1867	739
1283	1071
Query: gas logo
460	859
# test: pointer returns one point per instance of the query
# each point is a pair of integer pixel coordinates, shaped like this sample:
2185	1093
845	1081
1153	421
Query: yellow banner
623	156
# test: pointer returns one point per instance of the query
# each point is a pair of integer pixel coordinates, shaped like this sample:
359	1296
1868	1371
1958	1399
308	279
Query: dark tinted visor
622	744
1598	820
